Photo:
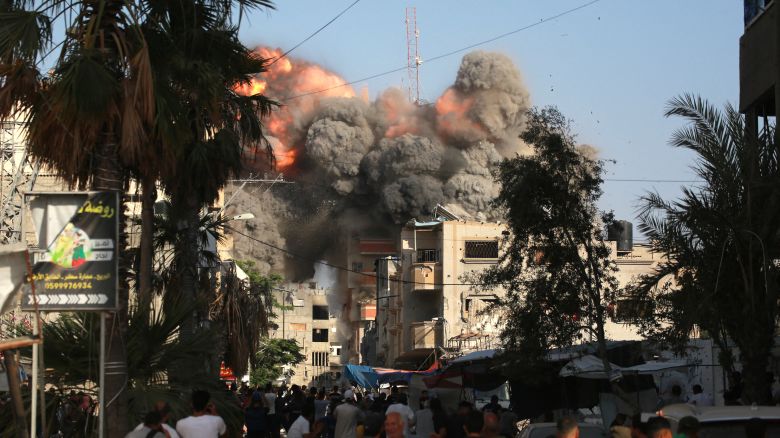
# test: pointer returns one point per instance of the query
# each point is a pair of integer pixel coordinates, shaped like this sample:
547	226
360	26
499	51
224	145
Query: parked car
725	421
545	430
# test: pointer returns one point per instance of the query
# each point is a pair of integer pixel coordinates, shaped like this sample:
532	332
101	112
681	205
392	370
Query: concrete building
759	62
428	305
305	317
362	252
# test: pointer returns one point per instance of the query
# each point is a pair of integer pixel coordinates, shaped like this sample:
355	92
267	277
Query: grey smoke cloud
389	160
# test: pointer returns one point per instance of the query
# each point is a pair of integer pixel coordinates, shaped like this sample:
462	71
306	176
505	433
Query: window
319	312
481	249
357	266
335	350
319	335
427	256
319	358
630	309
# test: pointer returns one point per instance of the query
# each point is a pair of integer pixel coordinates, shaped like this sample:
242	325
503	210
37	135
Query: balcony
426	334
426	276
758	59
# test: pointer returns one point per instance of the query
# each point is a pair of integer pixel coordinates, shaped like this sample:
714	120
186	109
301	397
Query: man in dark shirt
493	406
458	420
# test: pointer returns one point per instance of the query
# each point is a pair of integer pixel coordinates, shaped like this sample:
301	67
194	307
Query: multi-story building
362	252
759	62
428	296
430	303
304	315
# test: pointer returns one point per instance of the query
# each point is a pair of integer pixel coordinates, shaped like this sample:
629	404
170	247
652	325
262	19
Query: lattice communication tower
413	60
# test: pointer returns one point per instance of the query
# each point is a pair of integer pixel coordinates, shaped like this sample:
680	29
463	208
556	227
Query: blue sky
611	67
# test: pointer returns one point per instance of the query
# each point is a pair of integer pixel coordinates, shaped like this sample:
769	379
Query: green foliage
718	242
273	354
555	265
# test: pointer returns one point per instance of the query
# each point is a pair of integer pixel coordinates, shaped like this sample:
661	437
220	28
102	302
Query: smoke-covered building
431	303
304	315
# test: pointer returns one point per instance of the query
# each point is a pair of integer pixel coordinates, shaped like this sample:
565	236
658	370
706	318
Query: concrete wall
297	322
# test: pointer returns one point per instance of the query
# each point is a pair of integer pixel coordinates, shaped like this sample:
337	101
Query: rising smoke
369	166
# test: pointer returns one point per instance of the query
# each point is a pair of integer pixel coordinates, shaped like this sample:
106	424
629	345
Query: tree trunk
148	197
15	389
756	387
109	176
187	209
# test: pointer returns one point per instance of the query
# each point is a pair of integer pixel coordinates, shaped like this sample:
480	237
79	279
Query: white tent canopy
591	367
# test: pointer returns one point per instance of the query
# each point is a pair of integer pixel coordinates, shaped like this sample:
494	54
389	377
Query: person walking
424	421
394	425
301	427
347	418
150	428
272	416
407	415
255	417
204	421
165	412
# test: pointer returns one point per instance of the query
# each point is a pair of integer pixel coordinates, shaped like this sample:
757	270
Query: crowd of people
316	413
303	412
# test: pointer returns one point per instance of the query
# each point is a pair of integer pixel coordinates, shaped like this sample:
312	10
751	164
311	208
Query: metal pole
42	389
102	377
34	389
15	388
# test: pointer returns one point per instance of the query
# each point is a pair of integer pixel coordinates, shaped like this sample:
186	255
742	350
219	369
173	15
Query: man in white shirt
699	397
407	414
204	421
165	412
301	427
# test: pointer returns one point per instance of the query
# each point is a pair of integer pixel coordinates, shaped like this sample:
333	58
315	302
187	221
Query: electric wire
447	54
315	33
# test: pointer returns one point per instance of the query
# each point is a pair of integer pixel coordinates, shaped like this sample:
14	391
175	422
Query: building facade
304	315
428	303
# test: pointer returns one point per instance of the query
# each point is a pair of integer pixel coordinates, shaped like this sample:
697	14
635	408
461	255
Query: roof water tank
621	232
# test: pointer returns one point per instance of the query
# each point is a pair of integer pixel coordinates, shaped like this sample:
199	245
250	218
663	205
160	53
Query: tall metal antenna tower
413	60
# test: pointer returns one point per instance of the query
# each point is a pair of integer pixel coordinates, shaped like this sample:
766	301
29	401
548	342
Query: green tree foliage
555	266
273	354
244	309
718	243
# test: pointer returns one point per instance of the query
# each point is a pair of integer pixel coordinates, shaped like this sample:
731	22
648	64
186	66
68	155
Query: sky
611	67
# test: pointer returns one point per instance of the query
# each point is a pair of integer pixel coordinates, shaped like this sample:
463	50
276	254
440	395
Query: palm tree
201	119
719	242
101	111
83	115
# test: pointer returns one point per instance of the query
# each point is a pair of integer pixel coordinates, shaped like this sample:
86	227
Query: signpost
77	267
78	271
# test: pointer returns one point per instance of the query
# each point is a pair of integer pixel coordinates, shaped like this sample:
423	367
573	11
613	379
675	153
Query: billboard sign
79	268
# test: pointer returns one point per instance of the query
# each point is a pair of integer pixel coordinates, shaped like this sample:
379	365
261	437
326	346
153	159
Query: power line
450	53
346	269
685	181
315	32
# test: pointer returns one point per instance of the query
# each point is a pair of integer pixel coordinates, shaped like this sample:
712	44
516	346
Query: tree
273	354
243	308
82	116
718	242
204	121
555	266
102	110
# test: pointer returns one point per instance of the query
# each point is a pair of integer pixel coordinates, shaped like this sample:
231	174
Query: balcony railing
428	256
